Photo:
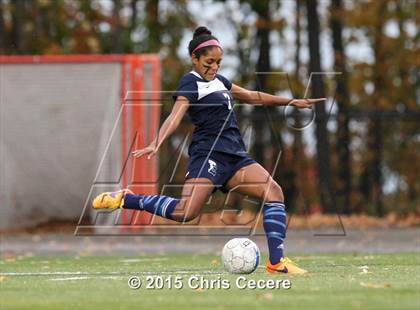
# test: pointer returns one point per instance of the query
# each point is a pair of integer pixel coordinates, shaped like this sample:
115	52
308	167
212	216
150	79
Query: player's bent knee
186	214
190	217
182	217
275	192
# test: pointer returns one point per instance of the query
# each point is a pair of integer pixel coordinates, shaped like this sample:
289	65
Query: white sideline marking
110	274
59	273
83	278
69	279
137	260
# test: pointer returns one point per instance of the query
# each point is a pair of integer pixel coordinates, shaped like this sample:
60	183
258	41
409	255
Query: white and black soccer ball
240	255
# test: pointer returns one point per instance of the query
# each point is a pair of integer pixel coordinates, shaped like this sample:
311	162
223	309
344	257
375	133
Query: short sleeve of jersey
225	81
187	87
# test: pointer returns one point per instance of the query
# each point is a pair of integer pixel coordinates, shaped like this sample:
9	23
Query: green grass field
335	281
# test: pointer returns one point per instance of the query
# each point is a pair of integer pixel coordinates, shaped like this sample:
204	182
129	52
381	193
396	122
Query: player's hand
150	151
305	103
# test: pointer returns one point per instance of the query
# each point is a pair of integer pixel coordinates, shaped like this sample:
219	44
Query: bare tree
342	98
153	25
17	23
373	164
2	29
318	90
118	44
134	15
263	65
297	150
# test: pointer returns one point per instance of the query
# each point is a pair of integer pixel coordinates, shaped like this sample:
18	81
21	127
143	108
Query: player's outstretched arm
257	97
168	127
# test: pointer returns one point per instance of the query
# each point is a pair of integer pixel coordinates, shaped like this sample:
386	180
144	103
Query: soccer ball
240	255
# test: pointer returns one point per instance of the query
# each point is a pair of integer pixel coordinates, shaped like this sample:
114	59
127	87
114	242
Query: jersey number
228	99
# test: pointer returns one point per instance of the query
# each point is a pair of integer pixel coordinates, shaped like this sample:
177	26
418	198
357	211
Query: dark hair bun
201	34
200	31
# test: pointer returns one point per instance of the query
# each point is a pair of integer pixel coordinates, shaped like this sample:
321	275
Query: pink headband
211	42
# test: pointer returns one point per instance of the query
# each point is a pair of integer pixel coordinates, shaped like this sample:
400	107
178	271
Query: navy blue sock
274	223
157	204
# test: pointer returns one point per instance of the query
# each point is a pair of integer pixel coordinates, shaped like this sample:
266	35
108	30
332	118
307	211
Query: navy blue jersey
212	114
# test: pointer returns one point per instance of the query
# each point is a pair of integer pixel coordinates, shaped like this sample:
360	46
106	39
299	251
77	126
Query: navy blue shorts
217	167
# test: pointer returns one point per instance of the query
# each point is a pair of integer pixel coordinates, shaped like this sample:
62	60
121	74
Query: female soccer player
218	159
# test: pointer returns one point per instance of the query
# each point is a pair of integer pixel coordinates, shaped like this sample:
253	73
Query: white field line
139	260
70	279
85	278
128	273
